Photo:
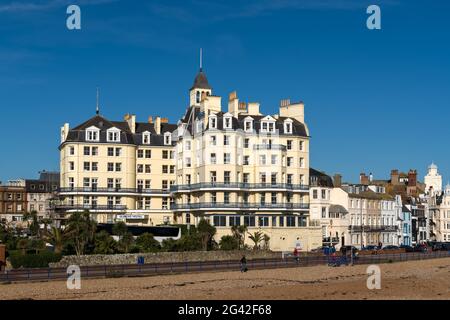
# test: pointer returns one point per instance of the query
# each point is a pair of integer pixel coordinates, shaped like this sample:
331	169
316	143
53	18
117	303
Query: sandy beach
426	279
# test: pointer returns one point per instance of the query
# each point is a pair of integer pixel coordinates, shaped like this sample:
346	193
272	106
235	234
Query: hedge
39	260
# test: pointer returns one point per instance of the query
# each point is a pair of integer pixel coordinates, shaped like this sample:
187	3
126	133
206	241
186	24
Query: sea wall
163	257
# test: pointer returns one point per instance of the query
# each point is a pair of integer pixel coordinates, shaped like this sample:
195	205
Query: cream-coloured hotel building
231	167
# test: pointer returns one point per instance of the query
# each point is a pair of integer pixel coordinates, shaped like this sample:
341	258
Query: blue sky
375	100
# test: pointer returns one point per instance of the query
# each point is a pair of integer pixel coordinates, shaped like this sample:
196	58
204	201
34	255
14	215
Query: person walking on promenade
243	264
296	257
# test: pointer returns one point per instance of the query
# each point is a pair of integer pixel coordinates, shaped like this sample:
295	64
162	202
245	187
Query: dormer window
146	137
227	122
113	135
248	125
92	134
213	122
268	124
288	126
167	138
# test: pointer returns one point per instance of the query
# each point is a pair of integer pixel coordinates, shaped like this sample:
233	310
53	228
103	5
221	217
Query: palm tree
126	242
120	229
206	232
81	229
56	237
46	222
256	237
266	240
238	234
32	222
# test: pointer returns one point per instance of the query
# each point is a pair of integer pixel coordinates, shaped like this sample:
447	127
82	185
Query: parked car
437	246
407	248
370	248
421	248
391	247
348	249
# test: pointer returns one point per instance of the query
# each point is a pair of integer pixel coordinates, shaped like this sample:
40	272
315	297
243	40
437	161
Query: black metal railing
114	190
269	147
239	205
374	228
88	207
239	185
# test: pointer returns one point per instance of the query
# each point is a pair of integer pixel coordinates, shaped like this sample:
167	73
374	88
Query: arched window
197	97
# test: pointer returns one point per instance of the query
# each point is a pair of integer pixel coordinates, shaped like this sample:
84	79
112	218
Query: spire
97	109
201	59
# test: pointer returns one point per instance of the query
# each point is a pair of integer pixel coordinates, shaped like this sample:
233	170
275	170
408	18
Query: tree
239	234
104	243
206	232
266	240
170	245
126	242
81	230
119	229
46	222
32	222
22	245
228	243
147	243
56	237
256	237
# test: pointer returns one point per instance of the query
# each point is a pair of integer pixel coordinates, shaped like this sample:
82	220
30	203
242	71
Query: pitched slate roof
298	128
200	81
320	179
78	133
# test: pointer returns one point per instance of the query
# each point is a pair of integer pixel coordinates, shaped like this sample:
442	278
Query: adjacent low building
41	193
13	201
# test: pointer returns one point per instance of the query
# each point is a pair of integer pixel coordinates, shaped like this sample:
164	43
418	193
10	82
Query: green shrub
38	260
228	243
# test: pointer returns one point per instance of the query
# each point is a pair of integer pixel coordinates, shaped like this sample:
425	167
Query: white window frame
288	124
213	120
167	138
115	135
93	134
230	119
146	137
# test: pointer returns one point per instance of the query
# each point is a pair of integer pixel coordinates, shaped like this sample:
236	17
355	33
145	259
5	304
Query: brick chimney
363	179
395	178
412	178
337	180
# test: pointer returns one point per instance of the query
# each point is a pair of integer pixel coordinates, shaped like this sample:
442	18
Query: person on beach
296	257
243	264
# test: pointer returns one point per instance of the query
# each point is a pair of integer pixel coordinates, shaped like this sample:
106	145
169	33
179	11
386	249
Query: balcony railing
239	205
89	207
114	190
238	185
269	147
375	228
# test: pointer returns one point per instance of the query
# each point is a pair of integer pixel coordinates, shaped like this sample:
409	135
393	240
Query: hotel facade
231	167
